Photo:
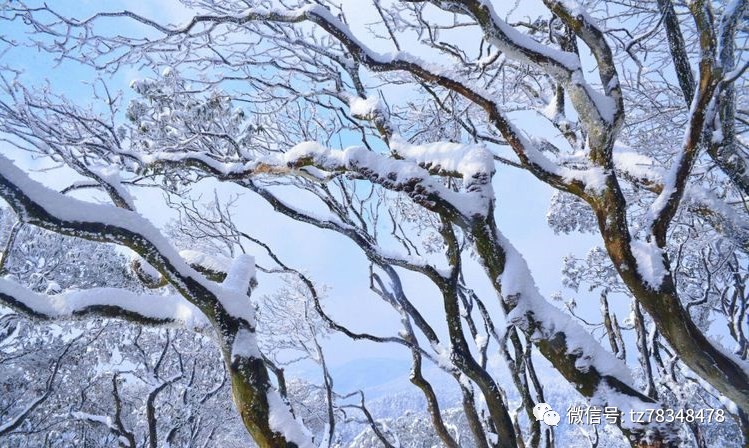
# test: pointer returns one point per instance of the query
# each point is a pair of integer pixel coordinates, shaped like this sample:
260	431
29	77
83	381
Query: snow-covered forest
368	223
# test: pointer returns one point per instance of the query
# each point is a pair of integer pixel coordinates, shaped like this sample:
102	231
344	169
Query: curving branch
106	302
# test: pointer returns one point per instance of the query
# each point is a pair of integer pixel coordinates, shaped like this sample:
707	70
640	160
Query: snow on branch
94	418
399	175
597	373
599	112
645	172
235	296
533	311
213	266
284	422
38	205
392	173
473	163
116	302
370	108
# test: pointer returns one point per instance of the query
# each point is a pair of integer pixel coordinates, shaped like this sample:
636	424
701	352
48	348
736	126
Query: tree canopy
394	137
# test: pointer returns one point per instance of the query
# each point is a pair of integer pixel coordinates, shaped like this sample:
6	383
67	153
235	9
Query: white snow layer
365	108
235	288
400	173
281	420
649	262
468	160
216	263
516	280
245	345
67	304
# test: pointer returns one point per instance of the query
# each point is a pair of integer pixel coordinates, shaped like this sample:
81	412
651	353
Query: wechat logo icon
543	412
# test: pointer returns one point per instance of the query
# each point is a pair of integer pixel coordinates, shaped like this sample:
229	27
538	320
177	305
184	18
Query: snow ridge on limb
235	296
407	175
284	422
148	308
36	204
473	163
574	352
410	172
532	312
213	266
49	209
